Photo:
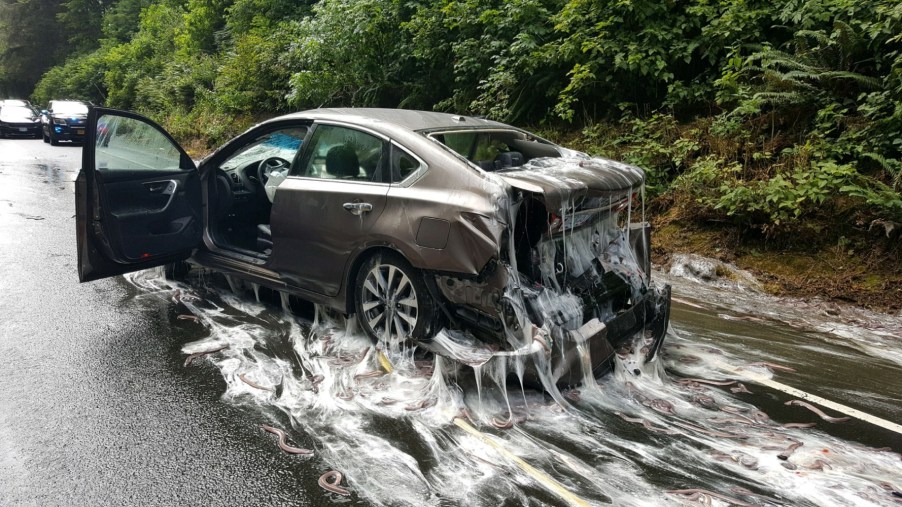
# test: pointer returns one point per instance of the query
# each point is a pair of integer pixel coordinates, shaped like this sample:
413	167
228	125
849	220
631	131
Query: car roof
406	118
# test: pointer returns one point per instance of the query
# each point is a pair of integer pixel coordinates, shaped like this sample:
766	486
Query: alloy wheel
389	304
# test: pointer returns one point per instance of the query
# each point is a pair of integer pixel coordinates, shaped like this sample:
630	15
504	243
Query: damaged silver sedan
470	238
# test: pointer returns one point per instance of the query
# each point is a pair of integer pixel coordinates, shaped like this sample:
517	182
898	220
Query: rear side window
345	154
403	164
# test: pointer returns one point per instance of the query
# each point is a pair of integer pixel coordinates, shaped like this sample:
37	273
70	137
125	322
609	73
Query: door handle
161	187
358	208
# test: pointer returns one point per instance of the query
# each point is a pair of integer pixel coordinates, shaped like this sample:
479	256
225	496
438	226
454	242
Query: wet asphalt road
95	408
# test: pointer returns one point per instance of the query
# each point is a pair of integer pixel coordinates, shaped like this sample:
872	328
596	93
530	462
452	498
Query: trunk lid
565	182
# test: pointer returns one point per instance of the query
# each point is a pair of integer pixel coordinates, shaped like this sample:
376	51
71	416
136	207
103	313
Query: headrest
341	162
509	159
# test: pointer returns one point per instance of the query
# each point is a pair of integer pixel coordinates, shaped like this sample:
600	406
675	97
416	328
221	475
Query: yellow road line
542	478
763	380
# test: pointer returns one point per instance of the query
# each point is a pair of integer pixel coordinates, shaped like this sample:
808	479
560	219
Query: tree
30	43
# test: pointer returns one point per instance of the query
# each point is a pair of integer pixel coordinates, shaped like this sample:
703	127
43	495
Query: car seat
509	159
342	162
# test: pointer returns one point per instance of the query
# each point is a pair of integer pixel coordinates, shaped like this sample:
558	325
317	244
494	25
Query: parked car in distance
64	120
471	238
19	120
16	102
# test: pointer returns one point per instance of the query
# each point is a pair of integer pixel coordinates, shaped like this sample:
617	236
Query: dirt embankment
863	269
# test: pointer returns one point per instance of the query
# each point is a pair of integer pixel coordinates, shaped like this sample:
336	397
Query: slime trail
605	463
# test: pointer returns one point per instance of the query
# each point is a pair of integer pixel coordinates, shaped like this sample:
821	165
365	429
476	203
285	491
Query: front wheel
392	301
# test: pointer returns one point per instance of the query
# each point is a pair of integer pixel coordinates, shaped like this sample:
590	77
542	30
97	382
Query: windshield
16	112
283	144
70	108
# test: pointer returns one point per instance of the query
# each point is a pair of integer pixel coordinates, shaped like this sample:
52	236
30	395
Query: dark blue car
64	120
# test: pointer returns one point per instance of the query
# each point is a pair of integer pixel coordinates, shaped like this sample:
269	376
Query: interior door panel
150	216
137	197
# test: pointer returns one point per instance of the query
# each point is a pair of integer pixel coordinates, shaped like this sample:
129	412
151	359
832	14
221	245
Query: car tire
53	141
387	280
44	136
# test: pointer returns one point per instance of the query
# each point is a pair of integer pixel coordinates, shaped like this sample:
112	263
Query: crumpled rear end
583	273
572	284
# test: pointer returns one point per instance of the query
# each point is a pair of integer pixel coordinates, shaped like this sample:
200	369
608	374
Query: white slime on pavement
392	435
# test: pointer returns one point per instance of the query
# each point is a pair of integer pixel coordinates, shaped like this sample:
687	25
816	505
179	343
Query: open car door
137	197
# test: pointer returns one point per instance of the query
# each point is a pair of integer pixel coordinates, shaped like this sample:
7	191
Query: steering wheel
269	165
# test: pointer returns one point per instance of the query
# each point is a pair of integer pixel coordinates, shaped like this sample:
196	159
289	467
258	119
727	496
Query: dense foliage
768	114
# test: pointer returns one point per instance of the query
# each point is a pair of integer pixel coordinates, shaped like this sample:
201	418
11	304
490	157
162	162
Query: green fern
814	62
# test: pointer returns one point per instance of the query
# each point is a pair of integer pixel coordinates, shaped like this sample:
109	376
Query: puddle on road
624	440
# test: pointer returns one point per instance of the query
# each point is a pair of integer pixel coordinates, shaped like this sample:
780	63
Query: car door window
126	143
343	153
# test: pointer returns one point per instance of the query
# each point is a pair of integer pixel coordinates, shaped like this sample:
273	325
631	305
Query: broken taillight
554	223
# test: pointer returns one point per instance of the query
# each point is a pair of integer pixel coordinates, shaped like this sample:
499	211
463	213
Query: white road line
858	414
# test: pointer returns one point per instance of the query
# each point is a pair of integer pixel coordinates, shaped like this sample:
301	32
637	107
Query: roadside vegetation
771	130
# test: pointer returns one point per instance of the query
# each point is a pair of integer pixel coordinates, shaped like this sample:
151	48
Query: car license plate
79	132
23	129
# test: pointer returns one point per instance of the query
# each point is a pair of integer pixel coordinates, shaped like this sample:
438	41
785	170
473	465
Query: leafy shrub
81	77
763	113
657	144
785	198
